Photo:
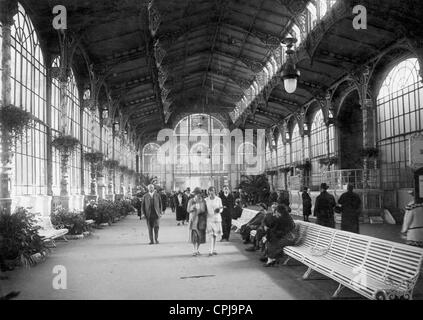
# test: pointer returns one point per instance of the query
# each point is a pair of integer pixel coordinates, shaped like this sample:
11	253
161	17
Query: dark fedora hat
324	186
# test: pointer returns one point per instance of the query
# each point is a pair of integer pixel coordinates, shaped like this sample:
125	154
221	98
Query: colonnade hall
211	149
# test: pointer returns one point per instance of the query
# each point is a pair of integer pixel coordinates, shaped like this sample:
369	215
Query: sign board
416	151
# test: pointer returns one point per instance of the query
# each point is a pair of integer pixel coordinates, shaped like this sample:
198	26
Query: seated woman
280	232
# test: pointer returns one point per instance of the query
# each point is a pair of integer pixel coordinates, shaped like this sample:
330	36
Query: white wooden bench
374	268
89	222
247	215
47	231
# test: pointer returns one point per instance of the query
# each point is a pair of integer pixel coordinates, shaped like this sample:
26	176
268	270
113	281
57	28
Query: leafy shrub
74	221
125	207
19	236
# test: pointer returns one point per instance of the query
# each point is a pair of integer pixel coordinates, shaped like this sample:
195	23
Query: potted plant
328	161
20	242
370	152
93	157
66	144
111	164
14	122
74	221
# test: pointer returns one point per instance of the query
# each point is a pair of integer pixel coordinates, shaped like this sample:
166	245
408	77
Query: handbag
202	222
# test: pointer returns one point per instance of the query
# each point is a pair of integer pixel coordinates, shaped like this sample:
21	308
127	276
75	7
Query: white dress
214	220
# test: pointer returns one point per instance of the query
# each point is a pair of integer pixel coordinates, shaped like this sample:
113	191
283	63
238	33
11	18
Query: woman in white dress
214	219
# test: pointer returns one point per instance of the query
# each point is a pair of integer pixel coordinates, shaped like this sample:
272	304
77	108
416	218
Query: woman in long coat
280	232
180	200
197	223
306	204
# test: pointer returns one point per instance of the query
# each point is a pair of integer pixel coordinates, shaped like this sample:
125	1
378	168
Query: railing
339	179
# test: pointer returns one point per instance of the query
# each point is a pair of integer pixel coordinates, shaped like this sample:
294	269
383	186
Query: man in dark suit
152	209
323	208
228	203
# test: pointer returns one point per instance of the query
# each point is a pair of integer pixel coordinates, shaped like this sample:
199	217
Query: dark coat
351	205
181	211
146	206
306	204
236	212
229	203
323	209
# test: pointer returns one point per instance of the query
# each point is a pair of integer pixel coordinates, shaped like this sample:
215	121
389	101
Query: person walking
164	200
214	219
188	197
181	203
197	210
306	204
228	203
172	201
350	204
323	208
151	208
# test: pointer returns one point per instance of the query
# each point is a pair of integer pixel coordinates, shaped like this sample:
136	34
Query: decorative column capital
8	9
300	116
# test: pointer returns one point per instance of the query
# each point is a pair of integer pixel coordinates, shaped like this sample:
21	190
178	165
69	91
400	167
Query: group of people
270	231
349	205
211	215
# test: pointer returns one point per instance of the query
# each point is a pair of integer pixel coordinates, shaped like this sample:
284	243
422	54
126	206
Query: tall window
150	161
296	146
73	121
281	151
29	93
318	136
399	114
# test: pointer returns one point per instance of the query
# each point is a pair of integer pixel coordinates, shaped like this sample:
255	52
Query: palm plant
146	179
257	186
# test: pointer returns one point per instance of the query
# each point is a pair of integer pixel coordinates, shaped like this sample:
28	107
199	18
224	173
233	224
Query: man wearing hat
151	208
228	203
350	203
323	208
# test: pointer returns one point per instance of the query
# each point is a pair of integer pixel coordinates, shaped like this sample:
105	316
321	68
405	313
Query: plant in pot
74	221
14	122
370	152
66	144
93	157
20	239
111	164
255	185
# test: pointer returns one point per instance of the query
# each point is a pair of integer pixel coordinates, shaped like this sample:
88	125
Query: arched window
150	161
296	33
323	8
399	114
281	151
311	17
29	93
318	136
73	123
296	145
268	156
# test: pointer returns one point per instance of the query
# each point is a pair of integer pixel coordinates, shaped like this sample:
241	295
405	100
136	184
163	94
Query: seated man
261	231
237	211
253	224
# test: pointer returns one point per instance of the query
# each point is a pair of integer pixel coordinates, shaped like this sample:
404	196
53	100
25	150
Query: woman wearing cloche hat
197	210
